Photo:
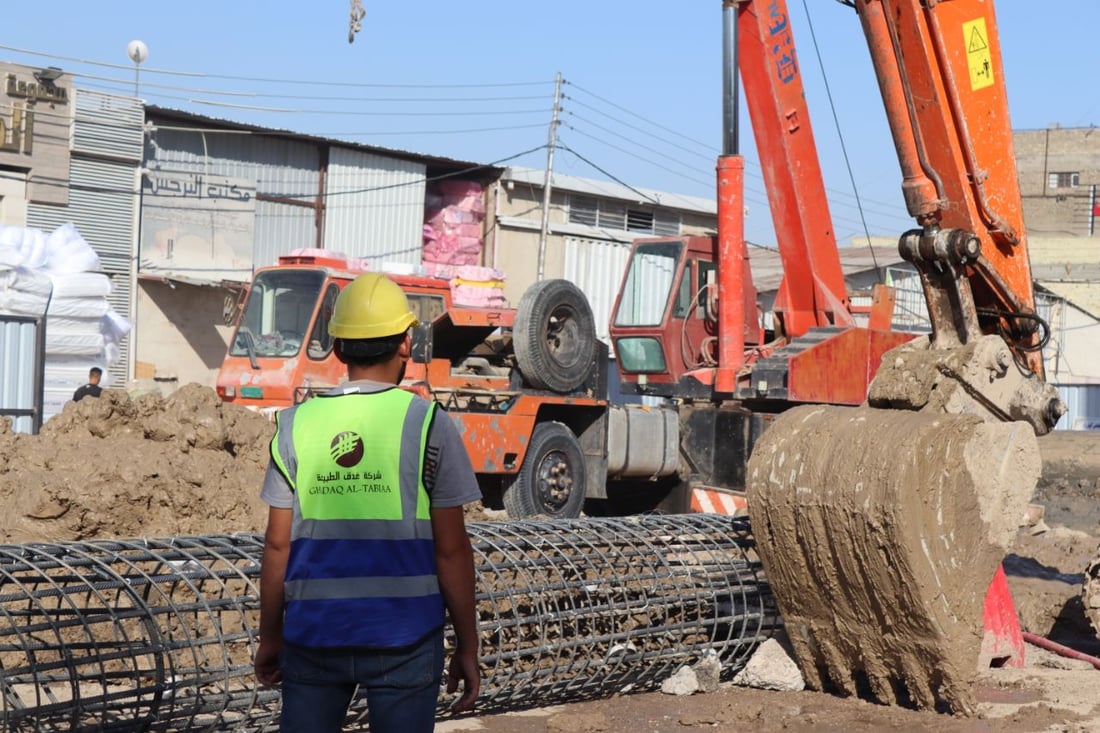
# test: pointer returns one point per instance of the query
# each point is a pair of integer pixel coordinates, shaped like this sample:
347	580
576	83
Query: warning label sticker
978	57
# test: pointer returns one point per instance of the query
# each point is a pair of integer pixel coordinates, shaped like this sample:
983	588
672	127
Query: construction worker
366	542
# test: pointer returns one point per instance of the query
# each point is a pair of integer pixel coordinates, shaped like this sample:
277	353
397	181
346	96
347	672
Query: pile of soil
145	466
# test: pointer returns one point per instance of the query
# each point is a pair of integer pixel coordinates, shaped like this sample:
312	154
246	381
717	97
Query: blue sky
474	81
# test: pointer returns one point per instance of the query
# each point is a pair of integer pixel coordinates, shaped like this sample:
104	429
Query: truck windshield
648	284
276	318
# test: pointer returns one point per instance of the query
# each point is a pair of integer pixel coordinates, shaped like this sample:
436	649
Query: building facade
1059	173
71	155
221	199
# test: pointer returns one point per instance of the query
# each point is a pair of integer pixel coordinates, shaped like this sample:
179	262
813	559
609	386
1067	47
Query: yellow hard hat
371	306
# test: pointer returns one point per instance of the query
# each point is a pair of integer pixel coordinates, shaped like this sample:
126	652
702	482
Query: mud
1069	492
880	531
1091	592
142	467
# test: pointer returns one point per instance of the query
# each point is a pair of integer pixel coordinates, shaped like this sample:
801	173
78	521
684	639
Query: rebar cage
159	634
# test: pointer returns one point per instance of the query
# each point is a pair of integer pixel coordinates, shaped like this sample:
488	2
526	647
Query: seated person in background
92	388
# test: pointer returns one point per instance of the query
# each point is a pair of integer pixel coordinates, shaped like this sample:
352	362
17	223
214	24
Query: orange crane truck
526	386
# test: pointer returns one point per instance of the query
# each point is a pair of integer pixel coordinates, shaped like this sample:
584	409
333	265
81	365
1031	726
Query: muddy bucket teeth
880	531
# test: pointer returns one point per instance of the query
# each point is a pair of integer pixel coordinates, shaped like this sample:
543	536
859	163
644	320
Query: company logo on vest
347	449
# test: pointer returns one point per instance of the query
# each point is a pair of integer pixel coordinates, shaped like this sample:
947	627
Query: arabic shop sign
35	127
197	226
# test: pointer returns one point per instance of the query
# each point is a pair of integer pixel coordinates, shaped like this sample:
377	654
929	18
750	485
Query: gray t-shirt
448	474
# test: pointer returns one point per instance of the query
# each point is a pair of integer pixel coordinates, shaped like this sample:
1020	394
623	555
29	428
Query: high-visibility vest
361	570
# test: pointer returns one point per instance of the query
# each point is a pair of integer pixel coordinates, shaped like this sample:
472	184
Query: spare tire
554	336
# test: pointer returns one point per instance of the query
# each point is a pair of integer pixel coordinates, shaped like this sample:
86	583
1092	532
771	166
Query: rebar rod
159	634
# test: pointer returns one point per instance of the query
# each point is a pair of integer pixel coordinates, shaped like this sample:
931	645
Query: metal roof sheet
610	189
437	161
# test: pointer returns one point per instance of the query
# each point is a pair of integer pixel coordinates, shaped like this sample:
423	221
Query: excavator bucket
880	531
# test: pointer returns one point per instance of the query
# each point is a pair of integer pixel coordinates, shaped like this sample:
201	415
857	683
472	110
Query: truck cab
280	352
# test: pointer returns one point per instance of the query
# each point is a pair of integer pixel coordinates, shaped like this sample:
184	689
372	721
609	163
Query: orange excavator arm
883	527
941	76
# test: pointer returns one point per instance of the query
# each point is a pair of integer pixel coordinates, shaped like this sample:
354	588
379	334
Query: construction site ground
154	467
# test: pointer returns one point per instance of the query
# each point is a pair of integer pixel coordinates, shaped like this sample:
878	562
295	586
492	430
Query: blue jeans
402	686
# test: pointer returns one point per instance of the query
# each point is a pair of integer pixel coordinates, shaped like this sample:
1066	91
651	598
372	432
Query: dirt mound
143	467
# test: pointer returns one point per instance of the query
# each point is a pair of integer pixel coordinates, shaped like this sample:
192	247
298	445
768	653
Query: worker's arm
455	563
272	574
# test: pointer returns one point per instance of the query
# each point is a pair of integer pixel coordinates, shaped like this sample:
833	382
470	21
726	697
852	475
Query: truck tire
551	480
554	336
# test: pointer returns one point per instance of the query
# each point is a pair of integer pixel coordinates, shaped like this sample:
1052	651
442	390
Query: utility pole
552	142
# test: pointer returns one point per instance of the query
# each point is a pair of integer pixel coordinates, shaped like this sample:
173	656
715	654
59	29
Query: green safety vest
361	570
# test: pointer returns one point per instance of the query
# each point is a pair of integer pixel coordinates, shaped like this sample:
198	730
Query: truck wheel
554	336
551	480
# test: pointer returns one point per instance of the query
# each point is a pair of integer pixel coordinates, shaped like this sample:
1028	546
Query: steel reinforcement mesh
158	635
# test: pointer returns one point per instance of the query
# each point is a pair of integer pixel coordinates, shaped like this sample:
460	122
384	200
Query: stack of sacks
454	213
480	287
82	330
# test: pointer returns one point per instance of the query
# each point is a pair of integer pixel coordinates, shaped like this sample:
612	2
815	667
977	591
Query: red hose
1057	648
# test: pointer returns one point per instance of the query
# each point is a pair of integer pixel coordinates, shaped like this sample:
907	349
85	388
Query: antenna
138	52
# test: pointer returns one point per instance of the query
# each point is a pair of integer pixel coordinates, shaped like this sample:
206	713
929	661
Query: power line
312	195
635	114
753	170
128	83
713	152
363	113
614	178
613	146
641	146
270	80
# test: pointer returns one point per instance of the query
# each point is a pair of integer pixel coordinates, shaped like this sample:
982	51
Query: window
648	284
320	342
583	210
277	314
616	215
1063	180
640	354
639	221
612	215
684	297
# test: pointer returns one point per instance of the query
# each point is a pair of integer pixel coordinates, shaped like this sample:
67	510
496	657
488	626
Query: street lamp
138	52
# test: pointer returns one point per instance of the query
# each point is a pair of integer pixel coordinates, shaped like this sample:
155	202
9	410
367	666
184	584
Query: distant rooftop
610	189
439	162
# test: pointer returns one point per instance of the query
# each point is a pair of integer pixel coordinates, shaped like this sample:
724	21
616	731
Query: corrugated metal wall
375	207
19	368
596	267
108	125
101	206
280	228
108	139
1083	401
282	168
